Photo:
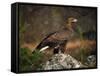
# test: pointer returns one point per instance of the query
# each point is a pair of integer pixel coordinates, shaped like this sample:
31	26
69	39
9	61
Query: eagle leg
58	49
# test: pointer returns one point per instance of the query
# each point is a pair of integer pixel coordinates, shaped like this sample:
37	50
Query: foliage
29	61
82	54
79	32
37	59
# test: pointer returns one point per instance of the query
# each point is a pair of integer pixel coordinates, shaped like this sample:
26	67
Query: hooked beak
75	20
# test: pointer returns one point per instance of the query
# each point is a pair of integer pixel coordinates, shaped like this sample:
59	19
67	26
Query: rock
91	60
61	61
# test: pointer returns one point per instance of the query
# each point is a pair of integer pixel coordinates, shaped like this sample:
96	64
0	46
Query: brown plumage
58	39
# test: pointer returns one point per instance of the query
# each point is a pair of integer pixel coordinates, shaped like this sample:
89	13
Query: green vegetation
79	32
29	61
82	55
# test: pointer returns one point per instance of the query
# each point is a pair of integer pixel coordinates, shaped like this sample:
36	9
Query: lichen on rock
61	61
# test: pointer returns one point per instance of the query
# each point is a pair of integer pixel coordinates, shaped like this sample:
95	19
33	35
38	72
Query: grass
82	55
29	61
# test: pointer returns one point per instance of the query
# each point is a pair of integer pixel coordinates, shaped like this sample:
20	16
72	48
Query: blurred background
37	21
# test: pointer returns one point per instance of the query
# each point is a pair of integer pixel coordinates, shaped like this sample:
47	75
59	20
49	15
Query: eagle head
71	22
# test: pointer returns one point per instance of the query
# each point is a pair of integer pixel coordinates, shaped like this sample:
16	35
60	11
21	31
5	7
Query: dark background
37	21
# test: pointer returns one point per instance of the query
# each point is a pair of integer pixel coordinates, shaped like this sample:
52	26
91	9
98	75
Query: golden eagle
58	39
